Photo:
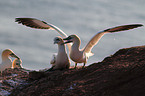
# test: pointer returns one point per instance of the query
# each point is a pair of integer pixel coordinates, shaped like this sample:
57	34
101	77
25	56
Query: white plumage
60	60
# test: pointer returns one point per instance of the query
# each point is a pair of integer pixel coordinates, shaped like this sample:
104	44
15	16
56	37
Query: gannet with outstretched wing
81	55
6	61
38	24
61	60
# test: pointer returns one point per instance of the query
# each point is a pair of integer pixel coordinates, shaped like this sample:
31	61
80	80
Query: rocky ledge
10	79
121	74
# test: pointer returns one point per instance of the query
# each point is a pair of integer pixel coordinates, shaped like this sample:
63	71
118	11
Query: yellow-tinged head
8	52
58	40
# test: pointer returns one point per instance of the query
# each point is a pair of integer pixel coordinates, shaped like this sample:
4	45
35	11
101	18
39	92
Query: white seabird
6	61
61	60
38	24
81	55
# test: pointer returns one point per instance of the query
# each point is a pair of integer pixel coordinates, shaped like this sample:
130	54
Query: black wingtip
123	27
23	19
18	20
30	23
138	25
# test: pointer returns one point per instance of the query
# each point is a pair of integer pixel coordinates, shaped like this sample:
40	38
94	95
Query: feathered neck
76	44
61	48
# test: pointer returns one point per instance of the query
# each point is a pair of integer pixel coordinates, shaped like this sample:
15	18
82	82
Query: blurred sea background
82	17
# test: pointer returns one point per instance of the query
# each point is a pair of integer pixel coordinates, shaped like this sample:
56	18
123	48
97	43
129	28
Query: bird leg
84	65
75	65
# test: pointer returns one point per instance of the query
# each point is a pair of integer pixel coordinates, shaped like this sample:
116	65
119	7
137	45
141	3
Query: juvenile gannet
61	60
38	24
6	61
81	55
17	63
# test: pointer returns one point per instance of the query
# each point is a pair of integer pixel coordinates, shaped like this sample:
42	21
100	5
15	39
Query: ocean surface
82	17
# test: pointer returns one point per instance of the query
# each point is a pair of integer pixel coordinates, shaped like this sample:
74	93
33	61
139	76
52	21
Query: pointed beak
68	40
13	55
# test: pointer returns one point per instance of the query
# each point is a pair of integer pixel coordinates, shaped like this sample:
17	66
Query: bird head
71	38
9	52
58	40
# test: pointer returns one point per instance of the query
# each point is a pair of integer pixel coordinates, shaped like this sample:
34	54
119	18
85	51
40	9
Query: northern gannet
61	60
38	24
6	61
17	63
81	55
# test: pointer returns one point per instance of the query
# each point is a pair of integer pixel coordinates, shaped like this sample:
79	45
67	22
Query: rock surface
10	79
122	74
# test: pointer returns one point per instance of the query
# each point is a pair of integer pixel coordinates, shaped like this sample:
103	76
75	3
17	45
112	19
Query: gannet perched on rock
61	60
17	63
6	61
82	55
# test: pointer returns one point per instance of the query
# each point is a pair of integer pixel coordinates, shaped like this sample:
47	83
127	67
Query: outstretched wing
95	39
38	24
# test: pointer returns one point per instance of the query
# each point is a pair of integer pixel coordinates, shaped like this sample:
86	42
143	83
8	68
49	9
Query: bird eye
57	39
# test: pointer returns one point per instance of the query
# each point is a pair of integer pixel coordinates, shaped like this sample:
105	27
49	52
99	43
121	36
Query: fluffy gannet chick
53	59
6	61
81	55
17	63
61	60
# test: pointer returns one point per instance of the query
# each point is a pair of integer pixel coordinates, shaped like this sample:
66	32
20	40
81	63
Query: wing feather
38	24
33	23
95	39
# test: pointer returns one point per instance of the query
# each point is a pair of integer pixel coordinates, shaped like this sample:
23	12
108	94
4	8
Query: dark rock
122	74
10	79
36	75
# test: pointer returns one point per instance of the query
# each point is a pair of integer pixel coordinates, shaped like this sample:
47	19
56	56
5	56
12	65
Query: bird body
61	60
76	54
